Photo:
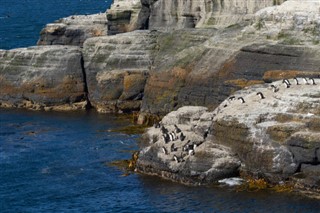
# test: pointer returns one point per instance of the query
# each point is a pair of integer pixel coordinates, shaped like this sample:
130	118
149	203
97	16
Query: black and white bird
182	136
241	99
286	84
274	88
306	81
165	138
164	150
313	82
296	80
176	159
231	98
177	129
205	134
163	129
156	125
286	81
261	95
173	148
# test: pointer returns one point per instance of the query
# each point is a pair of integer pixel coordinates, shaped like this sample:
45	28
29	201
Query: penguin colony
176	137
275	89
189	147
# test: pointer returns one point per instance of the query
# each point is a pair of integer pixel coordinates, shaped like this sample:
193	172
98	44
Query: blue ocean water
22	20
59	162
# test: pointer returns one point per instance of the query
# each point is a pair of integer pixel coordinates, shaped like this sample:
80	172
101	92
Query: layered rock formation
74	30
117	68
167	15
277	137
42	77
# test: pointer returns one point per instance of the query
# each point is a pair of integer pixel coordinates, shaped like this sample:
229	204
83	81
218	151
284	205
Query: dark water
58	162
22	20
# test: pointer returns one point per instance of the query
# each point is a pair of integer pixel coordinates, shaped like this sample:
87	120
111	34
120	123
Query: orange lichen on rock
242	83
273	75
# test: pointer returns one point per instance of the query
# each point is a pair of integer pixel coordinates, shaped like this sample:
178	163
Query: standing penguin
296	80
241	99
313	82
306	81
177	129
274	88
261	95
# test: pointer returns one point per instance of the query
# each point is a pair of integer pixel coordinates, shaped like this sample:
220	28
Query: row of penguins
275	89
188	149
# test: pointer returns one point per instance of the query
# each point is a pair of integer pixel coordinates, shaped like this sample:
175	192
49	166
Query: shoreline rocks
275	138
42	77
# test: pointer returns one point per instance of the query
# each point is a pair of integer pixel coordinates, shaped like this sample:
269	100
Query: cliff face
277	137
117	68
42	77
200	65
166	15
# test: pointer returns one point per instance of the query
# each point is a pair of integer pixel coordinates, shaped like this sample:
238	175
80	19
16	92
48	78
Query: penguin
176	129
275	89
182	136
241	99
286	81
205	134
313	82
164	150
170	136
156	125
176	159
165	138
163	129
287	85
225	105
172	148
306	81
297	82
261	95
231	98
191	152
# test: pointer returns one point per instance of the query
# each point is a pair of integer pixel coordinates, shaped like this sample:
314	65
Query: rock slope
42	77
277	137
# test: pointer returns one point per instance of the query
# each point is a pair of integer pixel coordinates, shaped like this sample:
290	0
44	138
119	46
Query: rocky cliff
73	30
275	136
117	68
157	71
42	77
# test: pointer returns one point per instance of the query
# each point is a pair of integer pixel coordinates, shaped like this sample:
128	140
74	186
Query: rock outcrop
276	137
117	68
210	162
42	77
123	16
74	30
167	15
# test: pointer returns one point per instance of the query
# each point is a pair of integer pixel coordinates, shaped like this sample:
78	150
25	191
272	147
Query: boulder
42	77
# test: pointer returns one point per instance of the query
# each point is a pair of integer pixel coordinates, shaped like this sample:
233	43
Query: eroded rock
74	30
42	77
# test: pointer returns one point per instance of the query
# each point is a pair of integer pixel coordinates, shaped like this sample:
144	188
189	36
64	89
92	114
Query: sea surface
22	20
60	162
